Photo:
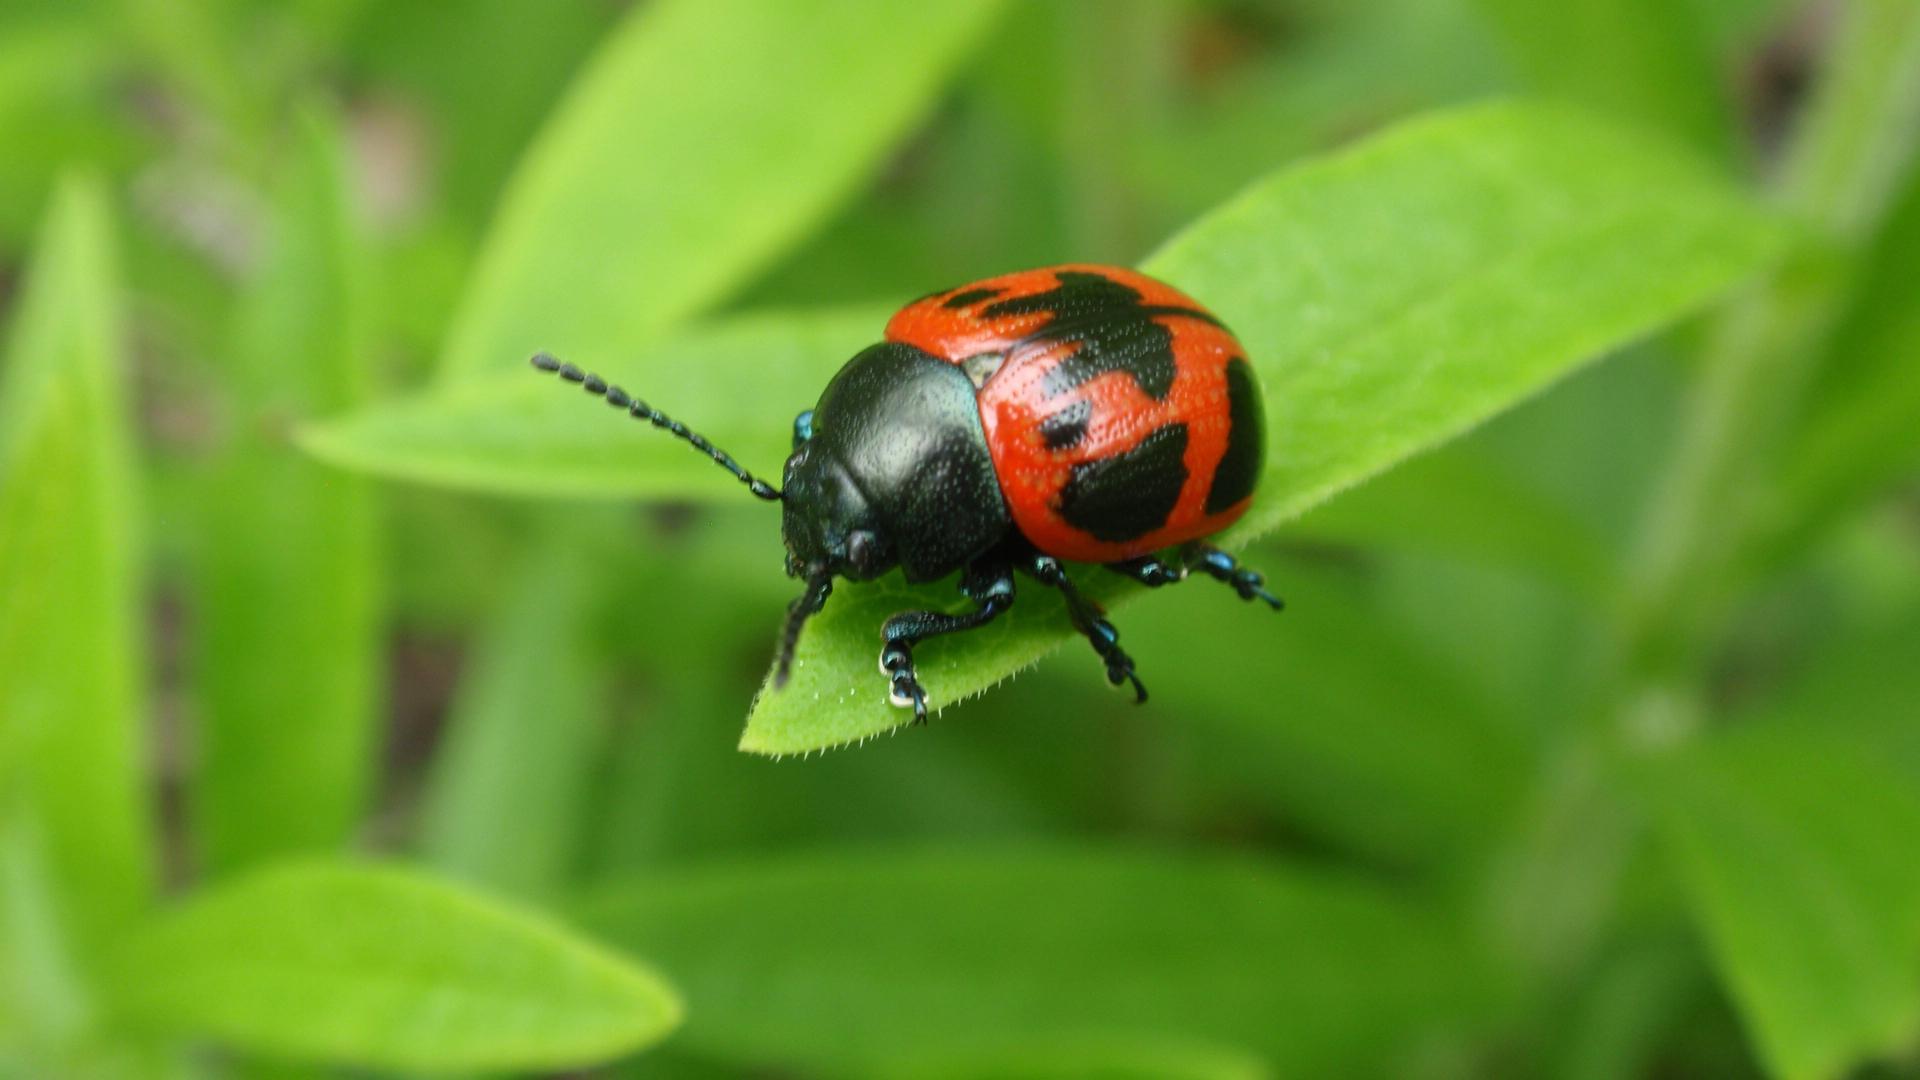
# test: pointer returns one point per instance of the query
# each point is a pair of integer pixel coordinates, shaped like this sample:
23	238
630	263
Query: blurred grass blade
662	181
386	968
883	960
522	432
1391	296
71	663
1797	855
1859	433
1647	61
287	607
504	802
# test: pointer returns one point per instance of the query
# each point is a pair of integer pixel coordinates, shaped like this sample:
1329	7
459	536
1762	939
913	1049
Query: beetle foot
904	690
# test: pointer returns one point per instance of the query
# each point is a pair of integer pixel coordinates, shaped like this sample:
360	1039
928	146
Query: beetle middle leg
988	583
1090	621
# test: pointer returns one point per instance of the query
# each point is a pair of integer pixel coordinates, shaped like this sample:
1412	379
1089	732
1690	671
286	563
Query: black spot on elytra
1066	427
969	297
1128	495
1114	331
1239	467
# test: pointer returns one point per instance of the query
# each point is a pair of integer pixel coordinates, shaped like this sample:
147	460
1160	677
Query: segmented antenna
819	584
640	410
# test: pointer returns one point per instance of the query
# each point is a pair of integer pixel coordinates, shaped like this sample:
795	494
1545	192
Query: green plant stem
1854	142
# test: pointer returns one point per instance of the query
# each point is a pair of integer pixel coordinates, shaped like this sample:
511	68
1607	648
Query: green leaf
1797	855
1646	60
1858	433
71	660
505	798
521	432
1391	296
1463	502
386	968
837	962
1102	1057
1416	770
666	176
289	639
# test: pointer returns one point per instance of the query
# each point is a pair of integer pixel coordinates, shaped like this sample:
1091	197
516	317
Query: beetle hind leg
1091	622
1218	564
988	583
1153	571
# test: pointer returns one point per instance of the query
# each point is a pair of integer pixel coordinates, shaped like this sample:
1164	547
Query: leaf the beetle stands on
1391	296
382	967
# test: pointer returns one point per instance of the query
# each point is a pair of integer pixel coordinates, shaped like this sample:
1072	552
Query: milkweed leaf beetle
1068	414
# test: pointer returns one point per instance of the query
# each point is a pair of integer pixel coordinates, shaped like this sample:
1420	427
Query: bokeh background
1520	785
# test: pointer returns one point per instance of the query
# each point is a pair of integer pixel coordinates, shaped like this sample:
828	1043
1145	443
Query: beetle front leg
988	583
1090	621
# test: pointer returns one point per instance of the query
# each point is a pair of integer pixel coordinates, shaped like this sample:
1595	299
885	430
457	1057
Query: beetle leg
988	583
1150	570
1090	621
1212	561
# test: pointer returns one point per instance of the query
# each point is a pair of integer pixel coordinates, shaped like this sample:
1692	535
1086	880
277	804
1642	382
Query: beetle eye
802	428
860	547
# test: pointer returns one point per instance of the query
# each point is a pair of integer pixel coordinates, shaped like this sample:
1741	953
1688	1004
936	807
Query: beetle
1076	413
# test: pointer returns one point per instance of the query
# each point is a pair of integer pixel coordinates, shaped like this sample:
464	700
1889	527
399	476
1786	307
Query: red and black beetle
1073	413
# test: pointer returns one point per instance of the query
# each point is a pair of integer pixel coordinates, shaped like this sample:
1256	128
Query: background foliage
367	703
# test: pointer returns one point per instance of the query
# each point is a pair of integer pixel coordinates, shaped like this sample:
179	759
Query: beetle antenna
640	410
819	585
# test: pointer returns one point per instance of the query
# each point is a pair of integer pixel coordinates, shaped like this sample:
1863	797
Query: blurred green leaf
660	182
1391	296
1862	689
522	432
1463	502
1105	1057
1419	769
71	661
1797	854
505	798
287	595
386	968
1858	433
1645	60
847	961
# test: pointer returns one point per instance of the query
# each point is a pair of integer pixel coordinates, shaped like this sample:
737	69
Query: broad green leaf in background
524	432
660	182
1415	770
505	799
845	961
1099	1057
286	605
386	968
1796	851
71	663
1391	296
1646	60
